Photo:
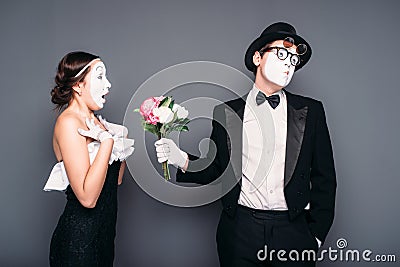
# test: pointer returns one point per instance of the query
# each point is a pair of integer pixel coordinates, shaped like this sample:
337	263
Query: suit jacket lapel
234	113
296	122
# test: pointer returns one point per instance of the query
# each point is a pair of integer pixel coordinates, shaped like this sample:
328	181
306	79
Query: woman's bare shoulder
68	122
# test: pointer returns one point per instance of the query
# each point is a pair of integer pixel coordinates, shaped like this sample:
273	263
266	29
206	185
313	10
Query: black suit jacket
309	166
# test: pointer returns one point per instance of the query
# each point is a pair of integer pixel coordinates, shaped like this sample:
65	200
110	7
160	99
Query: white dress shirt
264	151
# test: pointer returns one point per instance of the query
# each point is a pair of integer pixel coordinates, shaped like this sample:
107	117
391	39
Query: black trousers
265	238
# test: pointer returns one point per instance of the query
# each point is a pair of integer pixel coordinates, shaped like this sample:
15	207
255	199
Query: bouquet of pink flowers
161	116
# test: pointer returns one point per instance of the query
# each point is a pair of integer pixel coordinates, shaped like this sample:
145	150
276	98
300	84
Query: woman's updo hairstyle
69	66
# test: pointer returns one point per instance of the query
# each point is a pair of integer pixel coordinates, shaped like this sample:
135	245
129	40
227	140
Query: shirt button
271	191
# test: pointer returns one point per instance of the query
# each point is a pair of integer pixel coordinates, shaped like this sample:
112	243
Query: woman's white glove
114	129
94	132
123	146
167	150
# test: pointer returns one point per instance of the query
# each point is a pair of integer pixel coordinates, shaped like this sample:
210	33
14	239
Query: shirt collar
254	91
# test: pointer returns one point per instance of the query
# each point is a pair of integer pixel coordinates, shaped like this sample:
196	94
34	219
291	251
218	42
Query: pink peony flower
152	119
146	109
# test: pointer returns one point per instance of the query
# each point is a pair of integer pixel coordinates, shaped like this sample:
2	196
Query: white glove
95	131
167	150
123	147
114	129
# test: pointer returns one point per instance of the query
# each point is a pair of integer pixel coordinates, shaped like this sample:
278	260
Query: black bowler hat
276	31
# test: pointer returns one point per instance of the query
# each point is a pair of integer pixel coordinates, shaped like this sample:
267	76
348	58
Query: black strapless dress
83	236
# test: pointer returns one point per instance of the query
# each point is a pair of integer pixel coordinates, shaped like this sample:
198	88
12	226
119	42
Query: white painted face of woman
99	85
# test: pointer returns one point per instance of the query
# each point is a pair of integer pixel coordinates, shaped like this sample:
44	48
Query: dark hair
65	79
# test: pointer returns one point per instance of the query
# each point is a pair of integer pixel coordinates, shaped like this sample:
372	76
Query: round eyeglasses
282	53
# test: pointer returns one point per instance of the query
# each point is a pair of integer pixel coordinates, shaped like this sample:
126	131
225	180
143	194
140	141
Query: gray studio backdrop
353	71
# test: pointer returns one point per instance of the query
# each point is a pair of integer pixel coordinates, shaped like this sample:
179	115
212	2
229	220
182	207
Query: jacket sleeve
208	169
323	180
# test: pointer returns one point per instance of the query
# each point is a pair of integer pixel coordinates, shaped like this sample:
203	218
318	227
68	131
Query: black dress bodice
85	236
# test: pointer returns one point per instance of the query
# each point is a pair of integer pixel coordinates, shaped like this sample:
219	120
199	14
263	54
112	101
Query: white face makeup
279	72
99	85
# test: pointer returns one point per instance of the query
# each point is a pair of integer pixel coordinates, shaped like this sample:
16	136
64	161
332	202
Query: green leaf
171	104
136	110
180	128
165	102
150	128
182	121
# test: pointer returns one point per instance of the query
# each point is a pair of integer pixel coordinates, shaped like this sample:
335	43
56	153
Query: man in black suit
273	157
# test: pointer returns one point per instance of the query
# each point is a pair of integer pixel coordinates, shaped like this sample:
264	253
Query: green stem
166	170
164	164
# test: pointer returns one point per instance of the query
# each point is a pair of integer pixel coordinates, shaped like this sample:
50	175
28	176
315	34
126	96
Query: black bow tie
273	100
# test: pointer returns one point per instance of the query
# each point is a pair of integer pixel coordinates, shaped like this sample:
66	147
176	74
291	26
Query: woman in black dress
84	146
